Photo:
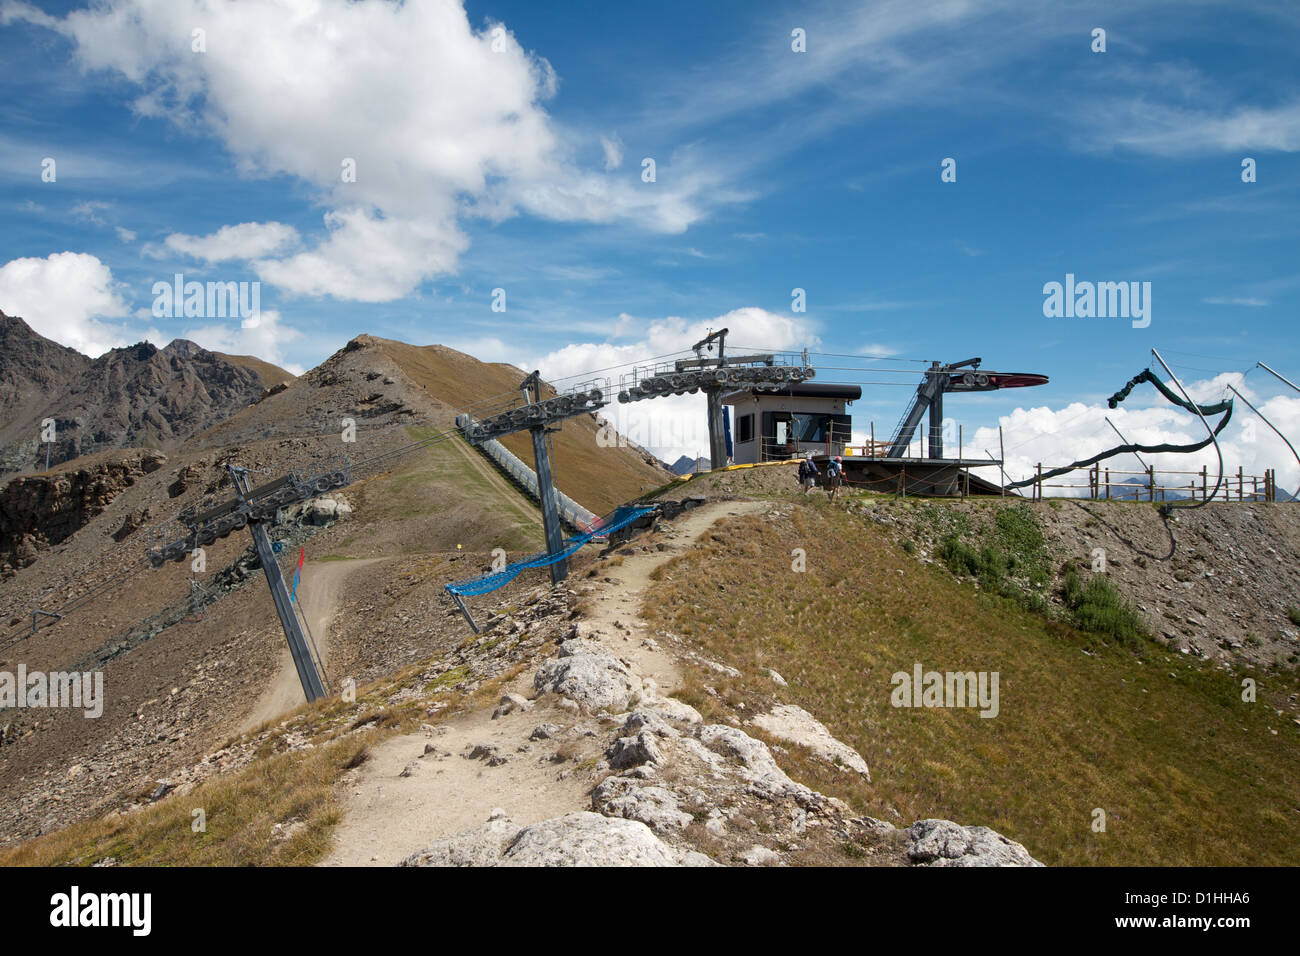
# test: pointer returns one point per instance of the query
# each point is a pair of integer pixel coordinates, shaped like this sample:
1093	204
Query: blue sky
522	169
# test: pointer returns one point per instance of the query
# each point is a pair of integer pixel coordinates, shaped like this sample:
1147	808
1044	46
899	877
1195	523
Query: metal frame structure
941	378
254	508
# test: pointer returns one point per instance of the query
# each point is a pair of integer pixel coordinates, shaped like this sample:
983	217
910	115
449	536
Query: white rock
766	779
944	843
653	806
797	726
594	681
758	855
478	846
674	710
589	839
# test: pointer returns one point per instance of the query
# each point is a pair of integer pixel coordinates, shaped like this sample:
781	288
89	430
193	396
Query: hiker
834	476
807	474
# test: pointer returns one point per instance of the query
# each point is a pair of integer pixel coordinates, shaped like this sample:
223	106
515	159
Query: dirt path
318	592
389	816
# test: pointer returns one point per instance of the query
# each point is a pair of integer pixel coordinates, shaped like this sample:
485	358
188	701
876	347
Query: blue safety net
620	517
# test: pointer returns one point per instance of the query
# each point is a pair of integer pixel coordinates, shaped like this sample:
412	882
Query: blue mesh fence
619	518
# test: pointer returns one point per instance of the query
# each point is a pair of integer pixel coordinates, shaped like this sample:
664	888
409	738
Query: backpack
833	469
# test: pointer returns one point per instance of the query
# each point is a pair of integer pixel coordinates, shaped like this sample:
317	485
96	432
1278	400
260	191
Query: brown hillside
599	478
271	375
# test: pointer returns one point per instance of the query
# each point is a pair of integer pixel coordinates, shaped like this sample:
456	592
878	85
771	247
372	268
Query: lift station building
803	419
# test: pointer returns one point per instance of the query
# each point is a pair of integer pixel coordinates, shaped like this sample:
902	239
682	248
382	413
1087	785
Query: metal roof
802	390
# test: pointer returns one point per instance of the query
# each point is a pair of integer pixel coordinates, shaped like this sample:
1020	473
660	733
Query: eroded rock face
41	510
575	839
478	846
944	843
128	397
759	767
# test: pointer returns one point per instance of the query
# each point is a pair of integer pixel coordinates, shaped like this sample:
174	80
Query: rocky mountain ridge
140	395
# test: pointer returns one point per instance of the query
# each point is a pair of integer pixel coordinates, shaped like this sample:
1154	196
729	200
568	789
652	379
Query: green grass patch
1098	608
1187	772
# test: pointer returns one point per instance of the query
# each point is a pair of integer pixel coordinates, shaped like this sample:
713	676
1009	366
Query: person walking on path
834	476
807	474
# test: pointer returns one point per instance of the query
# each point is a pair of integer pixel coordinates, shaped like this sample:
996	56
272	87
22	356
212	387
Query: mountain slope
135	396
598	478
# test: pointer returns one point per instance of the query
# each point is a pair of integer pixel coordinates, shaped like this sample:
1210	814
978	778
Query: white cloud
248	240
613	149
877	350
266	339
89	211
674	426
1165	130
126	235
439	126
64	297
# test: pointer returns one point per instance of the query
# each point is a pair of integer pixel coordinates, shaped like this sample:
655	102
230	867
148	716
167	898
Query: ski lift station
805	419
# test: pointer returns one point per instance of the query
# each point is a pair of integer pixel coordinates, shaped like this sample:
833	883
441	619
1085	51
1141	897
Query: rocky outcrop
589	676
575	839
797	726
42	510
140	395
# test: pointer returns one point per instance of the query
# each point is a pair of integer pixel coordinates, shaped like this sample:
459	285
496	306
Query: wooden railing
1106	484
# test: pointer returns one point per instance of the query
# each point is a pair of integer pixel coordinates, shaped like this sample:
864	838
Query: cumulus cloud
248	240
673	426
65	297
402	117
264	337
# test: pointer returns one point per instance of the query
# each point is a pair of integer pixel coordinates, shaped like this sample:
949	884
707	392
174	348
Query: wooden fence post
1108	484
1151	482
1205	484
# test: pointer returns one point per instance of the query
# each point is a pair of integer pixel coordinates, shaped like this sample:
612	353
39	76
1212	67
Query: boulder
634	751
595	681
589	839
944	843
478	846
759	768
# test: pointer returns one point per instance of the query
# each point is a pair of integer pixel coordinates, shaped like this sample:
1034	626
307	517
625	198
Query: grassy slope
598	478
443	482
1186	772
269	374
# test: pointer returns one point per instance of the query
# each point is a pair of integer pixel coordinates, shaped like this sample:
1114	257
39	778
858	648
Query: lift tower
532	389
254	508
